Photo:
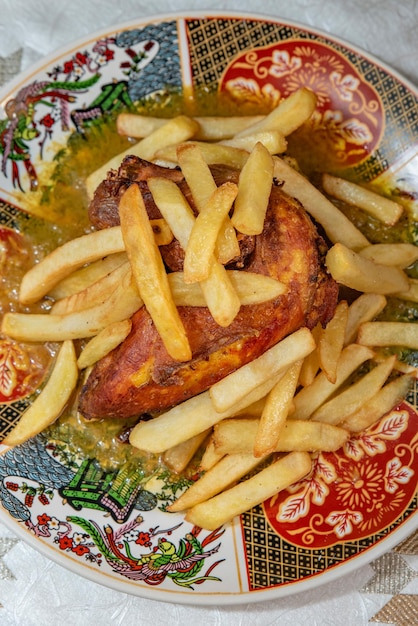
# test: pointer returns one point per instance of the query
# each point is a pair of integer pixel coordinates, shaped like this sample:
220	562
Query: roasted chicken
139	376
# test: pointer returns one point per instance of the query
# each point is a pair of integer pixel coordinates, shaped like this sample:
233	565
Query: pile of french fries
303	395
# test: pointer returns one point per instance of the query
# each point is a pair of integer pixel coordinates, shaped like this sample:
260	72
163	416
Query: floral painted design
22	127
123	548
50	107
150	554
65	537
182	563
35	110
349	118
354	491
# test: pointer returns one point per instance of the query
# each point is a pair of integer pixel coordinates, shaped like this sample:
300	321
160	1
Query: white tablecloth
34	590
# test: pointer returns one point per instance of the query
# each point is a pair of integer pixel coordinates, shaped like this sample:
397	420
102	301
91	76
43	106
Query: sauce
66	198
30	361
100	440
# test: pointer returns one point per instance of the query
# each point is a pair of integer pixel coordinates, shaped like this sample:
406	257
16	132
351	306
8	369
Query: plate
360	501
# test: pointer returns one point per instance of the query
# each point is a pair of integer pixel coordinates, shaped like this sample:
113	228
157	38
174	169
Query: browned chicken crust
140	377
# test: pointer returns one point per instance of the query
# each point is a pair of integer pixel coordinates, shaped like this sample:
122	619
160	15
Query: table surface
34	590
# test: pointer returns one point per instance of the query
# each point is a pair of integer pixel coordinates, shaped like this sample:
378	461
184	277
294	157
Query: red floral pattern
349	116
360	489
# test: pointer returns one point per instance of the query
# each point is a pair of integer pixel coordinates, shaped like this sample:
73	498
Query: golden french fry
337	226
197	173
219	477
51	401
150	274
94	294
61	272
400	255
237	435
176	425
233	388
227	246
213	153
211	128
308	399
103	343
331	341
386	399
310	364
250	287
256	407
308	436
210	456
363	309
220	296
178	457
275	412
384	209
162	233
121	304
191	418
175	130
202	185
411	293
389	334
254	188
265	484
402	367
174	207
273	141
289	115
201	246
138	126
87	275
43	276
351	399
253	399
352	270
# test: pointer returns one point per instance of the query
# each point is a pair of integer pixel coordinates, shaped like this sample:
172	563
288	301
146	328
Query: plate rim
234	598
209	600
35	67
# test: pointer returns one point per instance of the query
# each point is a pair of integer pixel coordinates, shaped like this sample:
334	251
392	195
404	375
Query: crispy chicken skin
140	377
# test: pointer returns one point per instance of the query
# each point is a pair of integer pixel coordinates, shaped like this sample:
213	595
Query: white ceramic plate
358	502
